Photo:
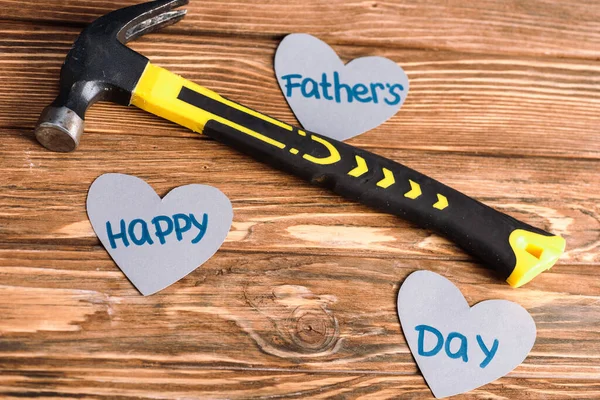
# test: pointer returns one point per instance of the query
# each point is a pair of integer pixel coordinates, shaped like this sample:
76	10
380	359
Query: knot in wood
313	328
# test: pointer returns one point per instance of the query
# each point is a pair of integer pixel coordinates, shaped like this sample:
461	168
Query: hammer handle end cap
534	253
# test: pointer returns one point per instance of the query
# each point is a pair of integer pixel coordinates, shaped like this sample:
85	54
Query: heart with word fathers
336	100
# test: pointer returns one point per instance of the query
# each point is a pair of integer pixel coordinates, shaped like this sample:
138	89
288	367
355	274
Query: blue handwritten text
139	232
334	90
461	351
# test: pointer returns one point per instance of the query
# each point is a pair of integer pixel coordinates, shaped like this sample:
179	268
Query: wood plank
458	102
289	215
259	314
164	383
538	27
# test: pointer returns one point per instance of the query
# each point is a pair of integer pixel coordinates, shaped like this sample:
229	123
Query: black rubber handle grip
516	250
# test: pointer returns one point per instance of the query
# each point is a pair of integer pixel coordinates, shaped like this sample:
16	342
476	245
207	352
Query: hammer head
100	67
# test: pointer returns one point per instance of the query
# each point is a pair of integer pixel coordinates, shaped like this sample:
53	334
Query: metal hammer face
100	67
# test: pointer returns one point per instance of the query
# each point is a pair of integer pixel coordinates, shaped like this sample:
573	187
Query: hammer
99	67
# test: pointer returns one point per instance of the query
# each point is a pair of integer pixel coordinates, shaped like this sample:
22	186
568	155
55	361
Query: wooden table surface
301	299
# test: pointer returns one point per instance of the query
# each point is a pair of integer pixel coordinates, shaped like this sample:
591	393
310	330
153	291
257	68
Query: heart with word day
336	100
459	348
155	241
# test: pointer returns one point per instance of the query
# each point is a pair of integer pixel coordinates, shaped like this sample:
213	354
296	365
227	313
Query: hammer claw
154	24
150	17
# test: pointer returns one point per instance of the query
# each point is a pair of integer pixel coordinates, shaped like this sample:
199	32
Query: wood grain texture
540	27
300	300
458	102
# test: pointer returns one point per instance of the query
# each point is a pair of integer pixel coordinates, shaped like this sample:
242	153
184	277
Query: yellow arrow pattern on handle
415	190
388	179
361	168
441	203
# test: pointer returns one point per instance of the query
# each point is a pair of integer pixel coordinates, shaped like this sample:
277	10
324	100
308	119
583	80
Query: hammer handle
516	250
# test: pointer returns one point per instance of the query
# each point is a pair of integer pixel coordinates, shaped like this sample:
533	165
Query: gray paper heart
157	242
333	99
498	334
